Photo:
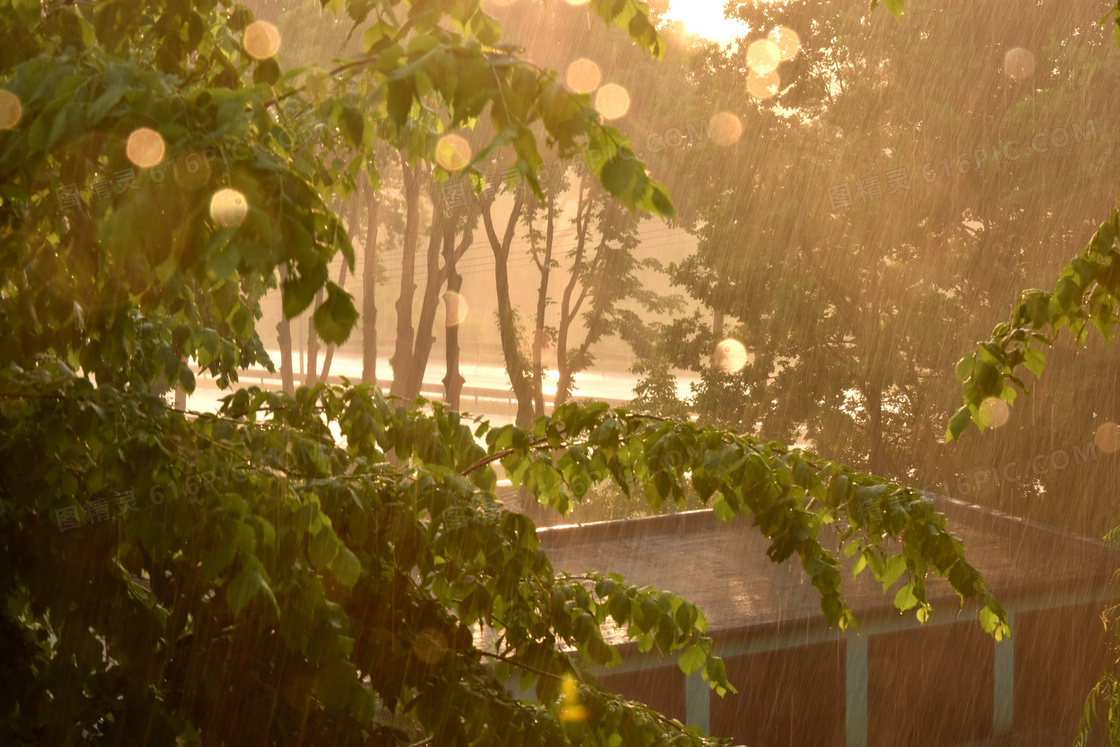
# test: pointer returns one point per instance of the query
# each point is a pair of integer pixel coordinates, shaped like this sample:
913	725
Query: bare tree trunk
351	230
515	365
369	292
452	380
569	309
410	377
284	338
330	348
402	353
310	378
430	305
545	267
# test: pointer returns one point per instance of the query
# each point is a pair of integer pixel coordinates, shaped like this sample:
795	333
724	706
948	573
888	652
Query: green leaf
723	510
894	6
218	559
1035	361
353	125
618	177
336	317
905	598
692	659
299	290
958	423
346	567
399	101
267	71
324	546
99	108
248	583
893	569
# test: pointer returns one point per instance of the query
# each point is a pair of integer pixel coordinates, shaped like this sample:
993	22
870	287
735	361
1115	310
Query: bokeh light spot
763	86
145	147
612	101
584	76
787	41
456	308
1018	63
453	152
228	207
994	411
578	2
572	710
1107	438
731	356
11	110
726	128
763	56
261	40
429	646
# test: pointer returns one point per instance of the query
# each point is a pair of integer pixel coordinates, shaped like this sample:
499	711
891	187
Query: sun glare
705	18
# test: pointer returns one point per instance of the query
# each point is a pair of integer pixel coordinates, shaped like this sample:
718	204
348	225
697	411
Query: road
495	402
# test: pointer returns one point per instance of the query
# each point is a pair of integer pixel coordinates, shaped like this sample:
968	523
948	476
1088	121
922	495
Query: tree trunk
452	380
515	365
545	267
411	378
351	230
402	352
310	378
569	310
369	292
330	348
429	307
284	338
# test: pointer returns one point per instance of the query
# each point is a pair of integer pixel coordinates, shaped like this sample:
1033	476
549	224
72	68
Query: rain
790	237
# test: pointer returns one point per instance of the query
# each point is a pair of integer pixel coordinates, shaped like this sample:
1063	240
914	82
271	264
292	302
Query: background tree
875	233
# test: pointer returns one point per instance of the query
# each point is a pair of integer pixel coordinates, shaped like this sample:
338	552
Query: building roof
723	568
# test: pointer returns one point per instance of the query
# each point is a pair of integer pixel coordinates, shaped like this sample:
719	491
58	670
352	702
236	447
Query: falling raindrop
612	101
453	152
731	355
429	646
994	411
584	76
11	110
1107	437
787	41
763	86
456	308
763	56
228	207
726	128
145	147
261	40
1018	63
